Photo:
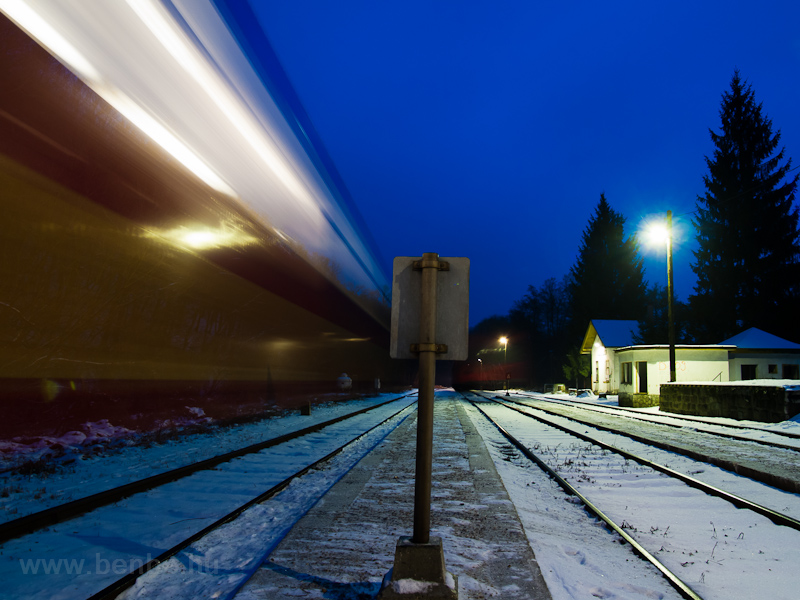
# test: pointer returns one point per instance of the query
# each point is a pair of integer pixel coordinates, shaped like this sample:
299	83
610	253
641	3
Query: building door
748	372
641	371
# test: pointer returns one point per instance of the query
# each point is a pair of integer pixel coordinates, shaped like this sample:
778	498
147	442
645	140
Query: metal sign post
430	321
429	265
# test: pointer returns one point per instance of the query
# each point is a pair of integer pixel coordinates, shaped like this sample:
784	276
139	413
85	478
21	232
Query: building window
791	371
597	371
772	369
627	373
608	371
748	372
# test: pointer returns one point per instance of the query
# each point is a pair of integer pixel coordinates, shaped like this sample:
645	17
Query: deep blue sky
489	129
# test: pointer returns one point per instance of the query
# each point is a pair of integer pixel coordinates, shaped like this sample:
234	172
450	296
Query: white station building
619	366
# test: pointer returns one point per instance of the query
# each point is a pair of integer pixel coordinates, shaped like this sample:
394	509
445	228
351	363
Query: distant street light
480	361
663	234
504	340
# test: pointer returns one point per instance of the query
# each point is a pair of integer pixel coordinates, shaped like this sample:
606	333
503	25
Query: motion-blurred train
173	235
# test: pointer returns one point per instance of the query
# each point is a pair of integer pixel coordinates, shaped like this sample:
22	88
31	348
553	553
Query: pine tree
576	367
607	280
748	262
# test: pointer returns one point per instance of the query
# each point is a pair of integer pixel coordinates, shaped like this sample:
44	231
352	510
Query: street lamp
504	340
480	361
660	233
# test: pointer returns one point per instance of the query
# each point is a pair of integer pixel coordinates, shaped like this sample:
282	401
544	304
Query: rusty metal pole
427	377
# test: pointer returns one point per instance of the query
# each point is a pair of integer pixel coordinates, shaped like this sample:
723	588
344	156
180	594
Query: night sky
490	129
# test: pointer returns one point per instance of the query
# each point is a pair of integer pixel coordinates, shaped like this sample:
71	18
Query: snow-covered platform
345	545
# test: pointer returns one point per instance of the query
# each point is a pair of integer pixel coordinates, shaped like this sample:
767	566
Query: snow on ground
574	552
577	555
739	485
791	425
759	431
93	437
717	549
219	564
788	384
347	543
108	456
80	557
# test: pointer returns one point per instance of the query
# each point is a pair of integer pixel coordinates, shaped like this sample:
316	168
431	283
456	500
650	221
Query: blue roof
755	339
615	333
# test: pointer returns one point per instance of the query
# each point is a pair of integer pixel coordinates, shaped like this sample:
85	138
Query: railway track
162	519
775	466
619	494
57	514
679	421
717	466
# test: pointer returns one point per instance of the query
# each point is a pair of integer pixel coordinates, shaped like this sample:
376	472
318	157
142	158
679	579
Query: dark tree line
539	320
747	265
546	325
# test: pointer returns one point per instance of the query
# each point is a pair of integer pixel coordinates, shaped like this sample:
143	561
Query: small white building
602	340
636	372
761	355
642	369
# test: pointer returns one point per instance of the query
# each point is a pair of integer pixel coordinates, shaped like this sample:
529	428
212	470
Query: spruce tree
747	262
607	280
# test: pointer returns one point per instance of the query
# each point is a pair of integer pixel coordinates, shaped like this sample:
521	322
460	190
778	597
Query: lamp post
481	363
659	233
671	333
504	340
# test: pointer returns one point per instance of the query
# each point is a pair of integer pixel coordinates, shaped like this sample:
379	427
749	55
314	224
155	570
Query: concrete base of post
419	573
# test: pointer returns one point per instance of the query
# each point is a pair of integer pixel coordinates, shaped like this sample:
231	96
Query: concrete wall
638	400
767	403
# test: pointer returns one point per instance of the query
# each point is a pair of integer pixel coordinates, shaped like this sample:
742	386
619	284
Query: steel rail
673	579
642	419
738	501
636	414
63	512
113	590
782	483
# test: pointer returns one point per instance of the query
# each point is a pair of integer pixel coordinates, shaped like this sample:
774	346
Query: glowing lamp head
657	234
503	340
